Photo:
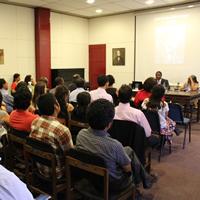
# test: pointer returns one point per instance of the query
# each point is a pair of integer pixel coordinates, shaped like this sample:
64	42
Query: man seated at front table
162	81
119	160
48	129
125	112
100	92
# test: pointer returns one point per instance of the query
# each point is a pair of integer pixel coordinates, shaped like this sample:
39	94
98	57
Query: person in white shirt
100	92
11	187
80	83
125	112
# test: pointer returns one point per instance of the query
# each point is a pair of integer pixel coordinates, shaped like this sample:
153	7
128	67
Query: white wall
17	40
116	32
69	42
169	42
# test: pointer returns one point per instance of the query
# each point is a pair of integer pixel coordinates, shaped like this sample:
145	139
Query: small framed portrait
118	56
1	57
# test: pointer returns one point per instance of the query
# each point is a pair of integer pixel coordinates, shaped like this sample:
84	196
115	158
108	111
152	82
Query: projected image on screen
170	39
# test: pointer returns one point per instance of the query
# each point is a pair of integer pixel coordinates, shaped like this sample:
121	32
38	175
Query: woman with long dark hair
62	96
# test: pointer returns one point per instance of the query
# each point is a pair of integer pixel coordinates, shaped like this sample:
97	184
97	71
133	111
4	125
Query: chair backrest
75	127
130	134
153	119
41	152
175	112
18	133
87	165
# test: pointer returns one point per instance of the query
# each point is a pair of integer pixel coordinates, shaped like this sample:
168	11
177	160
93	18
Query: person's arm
127	168
193	86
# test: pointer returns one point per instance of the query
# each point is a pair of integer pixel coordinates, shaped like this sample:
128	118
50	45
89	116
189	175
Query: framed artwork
1	56
118	56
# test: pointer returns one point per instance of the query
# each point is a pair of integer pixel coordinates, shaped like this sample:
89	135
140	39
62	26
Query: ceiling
109	7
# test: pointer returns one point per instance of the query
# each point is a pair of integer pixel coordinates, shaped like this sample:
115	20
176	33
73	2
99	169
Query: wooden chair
89	174
133	135
176	114
154	122
3	150
43	153
75	127
15	151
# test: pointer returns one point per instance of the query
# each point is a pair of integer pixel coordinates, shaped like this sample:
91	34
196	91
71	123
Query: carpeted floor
179	172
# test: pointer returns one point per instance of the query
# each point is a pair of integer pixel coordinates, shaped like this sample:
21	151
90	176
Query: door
97	63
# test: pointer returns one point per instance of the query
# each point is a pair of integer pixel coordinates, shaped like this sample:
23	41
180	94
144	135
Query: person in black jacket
162	81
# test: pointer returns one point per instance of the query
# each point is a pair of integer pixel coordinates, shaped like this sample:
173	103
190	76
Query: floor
179	172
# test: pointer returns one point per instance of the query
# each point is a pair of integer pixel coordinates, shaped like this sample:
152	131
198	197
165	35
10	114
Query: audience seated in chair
47	129
80	83
4	116
145	92
111	90
58	81
40	88
155	102
21	118
119	160
62	96
16	80
7	98
72	86
125	112
11	187
79	112
100	92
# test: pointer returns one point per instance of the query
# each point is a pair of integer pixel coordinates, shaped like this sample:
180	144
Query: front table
184	98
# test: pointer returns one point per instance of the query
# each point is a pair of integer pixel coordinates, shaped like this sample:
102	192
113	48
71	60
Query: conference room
63	58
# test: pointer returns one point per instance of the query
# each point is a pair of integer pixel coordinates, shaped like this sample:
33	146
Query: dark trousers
138	171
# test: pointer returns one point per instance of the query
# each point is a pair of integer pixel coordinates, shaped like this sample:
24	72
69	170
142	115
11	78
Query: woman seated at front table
191	85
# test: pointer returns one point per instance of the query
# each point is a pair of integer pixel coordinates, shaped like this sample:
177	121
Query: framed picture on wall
118	56
1	56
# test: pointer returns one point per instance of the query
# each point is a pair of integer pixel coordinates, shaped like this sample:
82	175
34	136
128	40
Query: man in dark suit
162	81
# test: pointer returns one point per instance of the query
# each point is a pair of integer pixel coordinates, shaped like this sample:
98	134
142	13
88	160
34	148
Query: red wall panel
97	63
42	43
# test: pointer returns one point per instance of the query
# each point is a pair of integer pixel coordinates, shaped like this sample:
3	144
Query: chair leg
184	139
161	147
170	147
190	132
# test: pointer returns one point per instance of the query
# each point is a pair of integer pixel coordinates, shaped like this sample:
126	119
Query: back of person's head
21	84
2	82
111	79
80	82
157	93
83	99
102	80
27	79
149	84
22	98
44	79
1	99
40	88
125	93
61	92
46	103
16	76
75	77
59	81
100	114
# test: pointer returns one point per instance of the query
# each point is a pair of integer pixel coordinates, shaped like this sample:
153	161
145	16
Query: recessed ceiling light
99	11
190	6
149	2
90	1
172	8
